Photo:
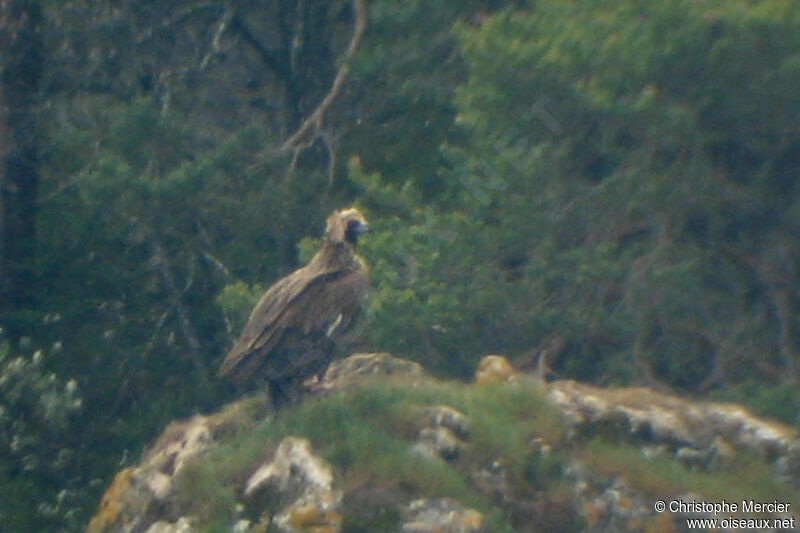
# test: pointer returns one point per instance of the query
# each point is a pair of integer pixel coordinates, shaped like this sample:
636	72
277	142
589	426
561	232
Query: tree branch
159	262
312	126
177	18
784	308
774	270
270	57
216	41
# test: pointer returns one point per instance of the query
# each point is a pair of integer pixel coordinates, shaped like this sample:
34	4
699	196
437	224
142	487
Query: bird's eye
353	224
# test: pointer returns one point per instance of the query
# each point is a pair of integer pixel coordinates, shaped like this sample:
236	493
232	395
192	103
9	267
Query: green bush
37	447
615	184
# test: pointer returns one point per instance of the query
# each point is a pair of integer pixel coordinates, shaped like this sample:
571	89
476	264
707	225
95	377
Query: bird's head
345	226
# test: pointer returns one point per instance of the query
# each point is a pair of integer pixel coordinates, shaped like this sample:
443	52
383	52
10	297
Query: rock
723	453
442	434
492	483
136	494
699	434
242	526
608	504
297	476
543	486
440	516
293	468
179	442
446	417
638	409
111	505
439	442
654	450
766	438
704	433
352	370
183	525
309	517
617	509
788	466
127	504
495	369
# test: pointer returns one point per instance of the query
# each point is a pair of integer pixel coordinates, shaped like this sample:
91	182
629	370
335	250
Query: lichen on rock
183	525
516	453
132	501
696	432
443	433
443	515
296	476
495	369
355	369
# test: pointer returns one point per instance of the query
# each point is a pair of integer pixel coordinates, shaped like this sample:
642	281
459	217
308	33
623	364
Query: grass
747	477
367	435
772	400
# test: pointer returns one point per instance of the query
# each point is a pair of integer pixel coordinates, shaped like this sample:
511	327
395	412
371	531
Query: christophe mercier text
726	507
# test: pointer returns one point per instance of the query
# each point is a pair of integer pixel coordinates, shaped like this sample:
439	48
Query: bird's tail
238	366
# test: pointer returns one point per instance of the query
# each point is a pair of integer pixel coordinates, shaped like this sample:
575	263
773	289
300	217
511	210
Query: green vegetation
617	187
38	446
367	436
746	478
780	401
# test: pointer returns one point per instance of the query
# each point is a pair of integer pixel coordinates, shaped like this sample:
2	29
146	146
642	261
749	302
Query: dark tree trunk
22	59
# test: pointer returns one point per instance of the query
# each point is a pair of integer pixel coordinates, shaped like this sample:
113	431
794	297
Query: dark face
353	229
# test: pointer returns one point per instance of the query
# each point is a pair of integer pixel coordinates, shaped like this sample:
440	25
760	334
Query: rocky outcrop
495	369
700	433
302	483
704	435
137	495
183	525
356	369
440	516
443	433
609	504
287	487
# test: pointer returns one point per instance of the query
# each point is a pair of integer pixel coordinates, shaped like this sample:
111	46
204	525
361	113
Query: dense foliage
628	186
39	450
611	186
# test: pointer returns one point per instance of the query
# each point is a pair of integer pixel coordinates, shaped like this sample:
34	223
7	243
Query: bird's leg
281	393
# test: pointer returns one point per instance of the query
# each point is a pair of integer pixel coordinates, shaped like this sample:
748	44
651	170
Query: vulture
293	331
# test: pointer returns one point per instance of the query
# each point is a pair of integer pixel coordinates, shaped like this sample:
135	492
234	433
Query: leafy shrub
37	445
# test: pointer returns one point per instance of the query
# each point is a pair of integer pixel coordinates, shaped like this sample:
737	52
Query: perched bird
293	331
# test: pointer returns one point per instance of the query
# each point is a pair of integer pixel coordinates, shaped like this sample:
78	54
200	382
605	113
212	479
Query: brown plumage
293	330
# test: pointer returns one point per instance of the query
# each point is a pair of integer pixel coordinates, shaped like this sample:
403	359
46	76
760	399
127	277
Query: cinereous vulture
292	332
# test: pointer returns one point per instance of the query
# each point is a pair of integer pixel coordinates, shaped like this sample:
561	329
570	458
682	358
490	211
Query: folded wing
290	329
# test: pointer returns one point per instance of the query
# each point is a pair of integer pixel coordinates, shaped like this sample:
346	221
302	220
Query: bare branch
773	269
271	58
216	41
218	265
312	127
783	302
159	262
177	18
